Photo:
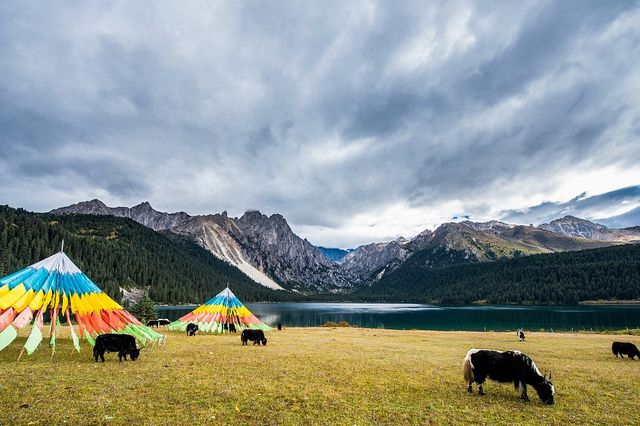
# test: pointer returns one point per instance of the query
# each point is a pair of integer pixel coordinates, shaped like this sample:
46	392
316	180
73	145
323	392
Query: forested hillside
603	273
117	252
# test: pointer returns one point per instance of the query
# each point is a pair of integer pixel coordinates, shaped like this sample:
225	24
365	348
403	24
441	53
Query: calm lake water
429	317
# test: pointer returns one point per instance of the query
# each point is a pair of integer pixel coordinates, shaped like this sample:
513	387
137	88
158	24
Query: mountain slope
211	233
275	248
267	250
118	252
454	243
570	277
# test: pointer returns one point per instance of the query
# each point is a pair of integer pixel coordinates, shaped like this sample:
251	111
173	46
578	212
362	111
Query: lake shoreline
404	316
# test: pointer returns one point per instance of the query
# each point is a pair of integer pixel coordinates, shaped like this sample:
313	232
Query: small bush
339	324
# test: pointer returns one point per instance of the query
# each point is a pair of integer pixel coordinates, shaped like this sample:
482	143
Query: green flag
34	339
90	339
74	337
7	336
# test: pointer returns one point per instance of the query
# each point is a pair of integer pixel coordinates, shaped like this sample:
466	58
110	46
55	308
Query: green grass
342	376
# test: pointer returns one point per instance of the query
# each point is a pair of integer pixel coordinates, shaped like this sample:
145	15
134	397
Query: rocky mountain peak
572	226
142	213
252	215
143	205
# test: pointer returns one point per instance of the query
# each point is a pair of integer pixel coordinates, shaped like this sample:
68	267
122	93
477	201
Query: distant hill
569	277
453	243
118	252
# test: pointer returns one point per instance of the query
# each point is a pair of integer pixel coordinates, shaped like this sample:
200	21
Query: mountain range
267	251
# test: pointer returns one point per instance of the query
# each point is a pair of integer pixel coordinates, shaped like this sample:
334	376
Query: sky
358	121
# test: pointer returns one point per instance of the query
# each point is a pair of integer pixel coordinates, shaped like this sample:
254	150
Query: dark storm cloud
581	206
355	120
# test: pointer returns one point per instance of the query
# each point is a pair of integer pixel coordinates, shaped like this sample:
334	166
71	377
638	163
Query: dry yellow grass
330	376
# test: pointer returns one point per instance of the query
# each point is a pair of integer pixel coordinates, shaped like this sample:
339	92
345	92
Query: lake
429	317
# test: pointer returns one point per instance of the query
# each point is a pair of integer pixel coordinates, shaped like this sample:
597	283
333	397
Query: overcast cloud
357	121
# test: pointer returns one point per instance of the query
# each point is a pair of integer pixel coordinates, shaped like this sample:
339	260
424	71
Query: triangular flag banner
55	283
218	313
53	329
74	337
89	339
34	339
7	336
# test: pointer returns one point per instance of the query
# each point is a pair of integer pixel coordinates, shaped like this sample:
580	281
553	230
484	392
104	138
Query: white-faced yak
625	348
192	329
521	335
506	367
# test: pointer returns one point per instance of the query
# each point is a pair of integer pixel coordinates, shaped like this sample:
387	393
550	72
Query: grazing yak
256	336
506	367
158	322
625	348
122	343
192	329
521	335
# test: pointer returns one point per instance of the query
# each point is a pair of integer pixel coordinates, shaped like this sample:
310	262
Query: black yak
124	344
256	336
625	348
506	367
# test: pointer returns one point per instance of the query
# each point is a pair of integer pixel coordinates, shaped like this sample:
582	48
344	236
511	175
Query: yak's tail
467	366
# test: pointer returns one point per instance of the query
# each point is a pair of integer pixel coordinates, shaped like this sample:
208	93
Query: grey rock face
272	246
572	226
369	262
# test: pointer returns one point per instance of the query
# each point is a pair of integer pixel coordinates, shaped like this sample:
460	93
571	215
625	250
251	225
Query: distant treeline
117	252
569	277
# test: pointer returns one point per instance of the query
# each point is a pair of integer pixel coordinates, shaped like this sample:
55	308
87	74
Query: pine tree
144	310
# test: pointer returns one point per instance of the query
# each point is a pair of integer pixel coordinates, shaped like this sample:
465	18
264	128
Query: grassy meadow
332	376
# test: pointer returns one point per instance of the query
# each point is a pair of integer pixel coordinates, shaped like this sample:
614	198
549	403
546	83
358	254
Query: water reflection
429	317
